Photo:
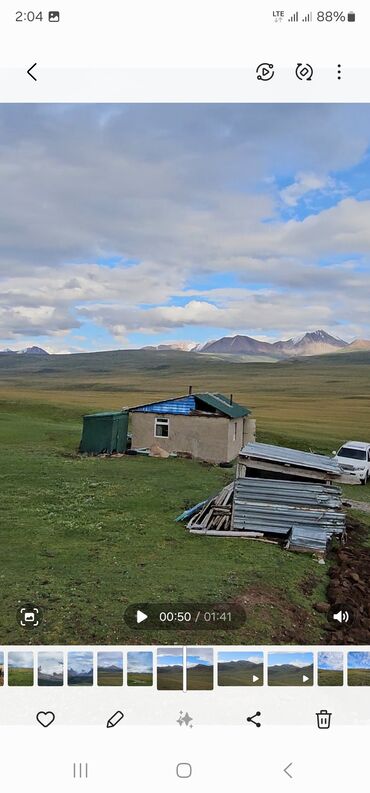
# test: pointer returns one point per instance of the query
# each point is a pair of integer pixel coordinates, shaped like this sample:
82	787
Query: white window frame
163	423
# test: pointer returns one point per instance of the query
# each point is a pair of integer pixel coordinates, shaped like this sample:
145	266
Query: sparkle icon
184	718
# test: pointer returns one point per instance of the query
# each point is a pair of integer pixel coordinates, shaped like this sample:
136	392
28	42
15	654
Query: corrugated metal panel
308	538
181	406
222	403
276	491
274	507
281	454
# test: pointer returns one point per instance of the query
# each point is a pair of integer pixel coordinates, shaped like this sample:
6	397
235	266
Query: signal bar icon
308	17
294	17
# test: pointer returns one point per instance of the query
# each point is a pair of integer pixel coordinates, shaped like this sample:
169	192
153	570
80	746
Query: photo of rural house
50	669
185	375
1	668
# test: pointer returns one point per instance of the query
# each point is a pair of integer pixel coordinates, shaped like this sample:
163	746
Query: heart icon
45	718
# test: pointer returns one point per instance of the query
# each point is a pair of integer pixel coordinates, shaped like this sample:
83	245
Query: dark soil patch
349	584
309	584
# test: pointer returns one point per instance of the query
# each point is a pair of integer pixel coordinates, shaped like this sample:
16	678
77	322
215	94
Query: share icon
251	719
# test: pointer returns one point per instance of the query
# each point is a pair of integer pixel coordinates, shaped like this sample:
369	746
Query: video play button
255	679
140	616
305	678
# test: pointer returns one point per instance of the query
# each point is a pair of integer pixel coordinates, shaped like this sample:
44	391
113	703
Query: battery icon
351	17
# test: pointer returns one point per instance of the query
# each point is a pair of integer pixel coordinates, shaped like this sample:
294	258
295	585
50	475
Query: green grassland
281	676
139	679
20	677
329	677
200	678
359	677
108	678
170	679
239	676
84	537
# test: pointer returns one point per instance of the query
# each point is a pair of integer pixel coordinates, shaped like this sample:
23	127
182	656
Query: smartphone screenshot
184	396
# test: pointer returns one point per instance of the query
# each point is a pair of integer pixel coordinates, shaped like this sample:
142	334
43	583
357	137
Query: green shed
104	432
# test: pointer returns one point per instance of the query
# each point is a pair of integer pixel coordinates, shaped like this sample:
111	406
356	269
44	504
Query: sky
50	663
20	660
128	225
80	662
295	659
195	656
358	660
228	657
106	659
140	662
330	661
167	656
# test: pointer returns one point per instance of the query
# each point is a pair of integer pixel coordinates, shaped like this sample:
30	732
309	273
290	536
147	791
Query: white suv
354	458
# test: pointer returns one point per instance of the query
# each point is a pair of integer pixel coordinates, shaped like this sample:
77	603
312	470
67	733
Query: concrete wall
208	438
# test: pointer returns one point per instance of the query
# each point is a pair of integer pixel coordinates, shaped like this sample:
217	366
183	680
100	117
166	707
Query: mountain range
317	342
26	351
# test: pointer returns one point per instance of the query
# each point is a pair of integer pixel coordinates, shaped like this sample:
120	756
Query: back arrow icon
286	770
32	75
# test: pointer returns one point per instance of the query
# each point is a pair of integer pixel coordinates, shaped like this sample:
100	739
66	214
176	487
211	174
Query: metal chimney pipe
231	399
190	390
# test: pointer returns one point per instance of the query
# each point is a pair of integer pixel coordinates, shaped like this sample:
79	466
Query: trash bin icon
323	719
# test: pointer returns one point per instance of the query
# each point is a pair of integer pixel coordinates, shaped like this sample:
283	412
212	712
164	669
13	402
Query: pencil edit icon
115	719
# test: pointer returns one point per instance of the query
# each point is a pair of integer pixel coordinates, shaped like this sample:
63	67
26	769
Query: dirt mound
350	577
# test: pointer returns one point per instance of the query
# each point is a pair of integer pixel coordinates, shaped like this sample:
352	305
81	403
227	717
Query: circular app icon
265	71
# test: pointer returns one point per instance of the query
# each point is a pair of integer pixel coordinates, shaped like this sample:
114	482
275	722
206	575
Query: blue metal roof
181	406
187	404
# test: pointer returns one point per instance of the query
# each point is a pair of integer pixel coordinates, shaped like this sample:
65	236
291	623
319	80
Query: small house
205	426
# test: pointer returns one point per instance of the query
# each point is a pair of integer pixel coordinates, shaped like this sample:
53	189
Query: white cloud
179	199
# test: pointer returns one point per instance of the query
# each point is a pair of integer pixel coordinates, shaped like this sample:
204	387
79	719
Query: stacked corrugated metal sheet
302	510
306	515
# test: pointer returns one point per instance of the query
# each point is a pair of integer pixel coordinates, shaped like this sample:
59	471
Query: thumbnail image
199	669
212	295
110	669
80	668
330	669
140	668
1	668
50	669
290	669
170	669
358	669
20	669
240	669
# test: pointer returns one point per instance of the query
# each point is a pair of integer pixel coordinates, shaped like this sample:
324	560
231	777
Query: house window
235	430
161	428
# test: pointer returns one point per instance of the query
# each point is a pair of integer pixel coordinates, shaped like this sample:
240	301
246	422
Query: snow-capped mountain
316	342
26	351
